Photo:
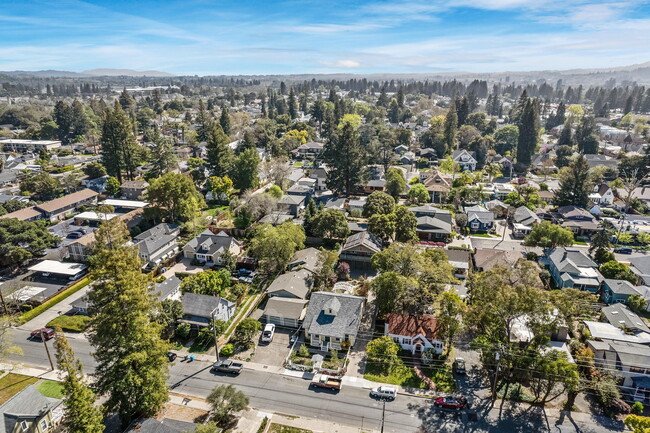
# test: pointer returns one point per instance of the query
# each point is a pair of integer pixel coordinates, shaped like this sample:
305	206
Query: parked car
325	381
43	333
267	334
227	366
171	356
623	250
450	402
384	392
459	366
74	235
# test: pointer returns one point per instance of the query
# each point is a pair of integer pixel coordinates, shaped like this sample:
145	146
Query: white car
384	392
267	334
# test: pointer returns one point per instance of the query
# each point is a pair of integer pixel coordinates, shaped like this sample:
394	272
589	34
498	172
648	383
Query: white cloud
347	63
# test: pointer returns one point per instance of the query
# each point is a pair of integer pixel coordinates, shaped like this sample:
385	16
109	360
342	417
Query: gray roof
152	240
631	354
202	305
480	213
620	314
309	259
572	261
428	210
621	287
641	264
348	309
364	238
297	283
28	403
457	153
151	425
292	199
210	243
525	216
433	225
287	308
168	286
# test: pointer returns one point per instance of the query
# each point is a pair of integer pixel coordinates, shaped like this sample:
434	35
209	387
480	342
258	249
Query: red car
46	333
449	402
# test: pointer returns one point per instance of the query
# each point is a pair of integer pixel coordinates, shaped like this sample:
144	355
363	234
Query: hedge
29	315
76	323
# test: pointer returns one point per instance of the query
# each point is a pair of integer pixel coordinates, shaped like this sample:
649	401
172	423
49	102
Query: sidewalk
52	313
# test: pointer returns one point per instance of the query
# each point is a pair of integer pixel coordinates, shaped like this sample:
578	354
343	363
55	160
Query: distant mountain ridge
109	72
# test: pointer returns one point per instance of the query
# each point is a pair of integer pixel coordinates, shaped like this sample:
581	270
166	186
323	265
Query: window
43	424
474	225
24	425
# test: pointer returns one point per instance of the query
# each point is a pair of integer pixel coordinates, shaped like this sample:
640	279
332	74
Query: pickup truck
325	381
227	366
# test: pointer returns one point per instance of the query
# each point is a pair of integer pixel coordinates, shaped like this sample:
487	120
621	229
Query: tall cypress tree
528	126
131	363
586	135
293	109
119	149
224	120
575	184
220	155
566	136
346	159
451	125
81	415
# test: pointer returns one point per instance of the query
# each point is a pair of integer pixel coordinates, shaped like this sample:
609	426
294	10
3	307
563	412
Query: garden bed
76	323
280	428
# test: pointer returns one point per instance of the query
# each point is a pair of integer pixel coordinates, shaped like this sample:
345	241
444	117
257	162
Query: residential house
374	185
438	186
23	146
500	191
57	209
505	162
607	331
479	219
25	214
617	291
604	160
169	289
134	189
543	163
200	310
578	220
332	320
308	258
209	247
320	175
570	267
465	159
415	333
157	244
292	284
523	221
460	260
640	266
486	259
497	207
29	411
603	195
292	204
428	154
401	149
407	158
433	224
621	316
360	247
357	203
166	425
285	312
309	150
641	193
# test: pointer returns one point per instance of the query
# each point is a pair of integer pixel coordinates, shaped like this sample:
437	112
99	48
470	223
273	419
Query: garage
285	312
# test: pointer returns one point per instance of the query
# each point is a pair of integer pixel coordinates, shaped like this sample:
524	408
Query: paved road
351	406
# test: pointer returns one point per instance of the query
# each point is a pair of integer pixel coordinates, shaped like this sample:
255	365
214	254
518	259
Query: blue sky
286	37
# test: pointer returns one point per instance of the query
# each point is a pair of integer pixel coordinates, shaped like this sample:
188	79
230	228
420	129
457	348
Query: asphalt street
352	406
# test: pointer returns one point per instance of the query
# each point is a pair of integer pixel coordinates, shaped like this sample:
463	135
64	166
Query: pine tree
346	159
451	125
245	169
400	97
119	149
393	111
224	120
587	136
293	109
131	366
220	155
81	415
575	184
63	117
203	121
528	126
462	110
566	136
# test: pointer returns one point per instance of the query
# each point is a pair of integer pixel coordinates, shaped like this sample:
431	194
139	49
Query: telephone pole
216	338
49	357
497	357
383	416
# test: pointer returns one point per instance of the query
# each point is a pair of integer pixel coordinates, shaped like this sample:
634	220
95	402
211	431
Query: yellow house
30	412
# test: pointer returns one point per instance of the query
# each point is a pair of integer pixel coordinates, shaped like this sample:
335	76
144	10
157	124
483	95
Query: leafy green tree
42	186
325	276
120	153
384	352
214	283
245	170
346	158
418	194
220	155
553	375
175	196
330	224
575	184
220	187
275	192
382	226
226	400
246	330
549	235
617	271
405	224
506	139
21	240
638	424
389	288
395	183
210	427
451	310
449	166
637	303
131	369
113	187
378	203
81	415
274	246
94	170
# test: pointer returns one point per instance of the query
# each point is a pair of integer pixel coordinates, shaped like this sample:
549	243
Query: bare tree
277	170
631	181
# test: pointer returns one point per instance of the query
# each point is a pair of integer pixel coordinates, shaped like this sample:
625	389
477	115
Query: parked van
384	392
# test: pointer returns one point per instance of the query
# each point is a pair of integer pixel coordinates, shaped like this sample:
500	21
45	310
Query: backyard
11	384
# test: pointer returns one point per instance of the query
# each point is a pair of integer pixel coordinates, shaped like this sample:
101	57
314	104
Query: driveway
61	308
184	266
275	352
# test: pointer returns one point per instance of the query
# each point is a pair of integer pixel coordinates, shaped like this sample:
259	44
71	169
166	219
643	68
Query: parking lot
275	352
64	228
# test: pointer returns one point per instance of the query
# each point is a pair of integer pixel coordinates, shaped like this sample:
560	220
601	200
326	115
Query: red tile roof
410	326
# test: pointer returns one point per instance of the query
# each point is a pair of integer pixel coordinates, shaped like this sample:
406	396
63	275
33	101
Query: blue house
617	291
479	219
573	268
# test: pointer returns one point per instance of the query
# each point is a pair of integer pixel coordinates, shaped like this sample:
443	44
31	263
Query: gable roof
202	305
641	265
365	239
308	258
408	325
479	213
487	259
433	225
156	237
620	315
458	153
23	214
285	307
67	200
345	322
570	260
168	286
210	243
151	425
297	283
28	403
525	216
621	287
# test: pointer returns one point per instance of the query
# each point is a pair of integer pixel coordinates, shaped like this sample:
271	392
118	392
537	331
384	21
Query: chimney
564	255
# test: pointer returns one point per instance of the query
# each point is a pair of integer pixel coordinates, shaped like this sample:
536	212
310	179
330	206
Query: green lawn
76	323
50	388
214	211
279	428
515	392
12	384
443	377
401	375
481	235
579	243
29	315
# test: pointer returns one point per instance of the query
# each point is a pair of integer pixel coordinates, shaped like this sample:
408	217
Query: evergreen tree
293	109
400	97
245	169
131	366
248	142
224	120
81	415
382	101
451	125
203	121
63	117
120	153
346	159
163	158
575	184
79	121
405	225
528	126
395	183
220	155
587	135
462	110
393	111
566	136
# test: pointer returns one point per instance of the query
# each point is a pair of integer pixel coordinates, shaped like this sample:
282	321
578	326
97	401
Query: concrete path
52	313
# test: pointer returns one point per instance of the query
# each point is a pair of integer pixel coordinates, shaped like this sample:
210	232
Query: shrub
532	256
637	408
303	351
26	317
227	350
618	406
183	331
70	323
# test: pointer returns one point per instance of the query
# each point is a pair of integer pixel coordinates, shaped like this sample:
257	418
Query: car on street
459	366
327	382
43	333
171	356
450	402
623	250
384	392
227	366
267	334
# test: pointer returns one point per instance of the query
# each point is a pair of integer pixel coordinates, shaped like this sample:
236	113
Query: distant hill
50	73
108	72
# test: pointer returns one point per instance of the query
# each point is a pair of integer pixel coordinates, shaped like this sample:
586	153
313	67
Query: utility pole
497	357
4	304
383	416
216	338
46	349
